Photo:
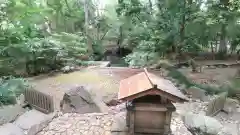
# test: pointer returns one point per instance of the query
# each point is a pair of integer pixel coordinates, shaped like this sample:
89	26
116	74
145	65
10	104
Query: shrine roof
145	83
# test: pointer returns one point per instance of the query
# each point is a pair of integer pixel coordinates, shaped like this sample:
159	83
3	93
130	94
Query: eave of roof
146	83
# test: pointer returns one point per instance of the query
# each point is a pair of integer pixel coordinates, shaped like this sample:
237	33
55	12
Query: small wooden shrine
149	103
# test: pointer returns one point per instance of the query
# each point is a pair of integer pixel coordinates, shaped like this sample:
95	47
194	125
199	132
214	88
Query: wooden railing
40	101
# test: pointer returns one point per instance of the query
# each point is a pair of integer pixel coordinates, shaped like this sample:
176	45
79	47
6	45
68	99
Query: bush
40	55
10	88
140	58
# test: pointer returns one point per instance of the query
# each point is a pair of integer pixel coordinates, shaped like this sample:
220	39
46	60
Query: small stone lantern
149	103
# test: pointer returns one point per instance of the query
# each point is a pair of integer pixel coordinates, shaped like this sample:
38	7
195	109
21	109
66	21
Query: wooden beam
132	123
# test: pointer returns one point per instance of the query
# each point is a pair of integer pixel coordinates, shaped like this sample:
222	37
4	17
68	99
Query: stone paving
79	124
113	121
100	124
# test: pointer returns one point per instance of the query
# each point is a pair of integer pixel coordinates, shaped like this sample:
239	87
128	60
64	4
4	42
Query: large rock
197	93
231	105
10	129
119	123
68	69
231	128
111	100
78	100
202	125
33	121
10	113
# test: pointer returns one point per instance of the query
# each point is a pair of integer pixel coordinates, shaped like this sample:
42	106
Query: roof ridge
147	74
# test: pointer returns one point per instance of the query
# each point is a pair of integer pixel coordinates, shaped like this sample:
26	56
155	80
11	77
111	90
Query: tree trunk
150	6
212	49
223	44
90	49
119	42
182	31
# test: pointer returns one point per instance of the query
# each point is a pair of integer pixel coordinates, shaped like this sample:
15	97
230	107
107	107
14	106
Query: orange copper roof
146	83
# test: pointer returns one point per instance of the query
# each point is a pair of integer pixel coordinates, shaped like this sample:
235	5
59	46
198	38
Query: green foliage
175	74
10	89
39	55
29	43
177	26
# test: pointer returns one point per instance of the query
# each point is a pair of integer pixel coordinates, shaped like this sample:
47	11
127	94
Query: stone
238	110
182	87
231	105
119	124
231	128
40	126
111	100
236	116
197	93
78	100
10	129
10	113
68	69
21	100
200	125
33	121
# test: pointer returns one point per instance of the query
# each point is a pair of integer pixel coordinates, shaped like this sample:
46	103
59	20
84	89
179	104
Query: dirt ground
102	83
216	76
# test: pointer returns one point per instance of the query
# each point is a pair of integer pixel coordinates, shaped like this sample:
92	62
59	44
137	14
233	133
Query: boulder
33	121
230	129
10	113
182	87
78	100
231	105
110	100
203	125
68	69
197	93
119	123
11	129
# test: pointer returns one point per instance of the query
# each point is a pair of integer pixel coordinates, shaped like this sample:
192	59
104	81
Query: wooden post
132	122
167	123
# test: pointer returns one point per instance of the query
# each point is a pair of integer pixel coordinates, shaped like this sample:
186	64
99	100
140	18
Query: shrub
11	88
39	55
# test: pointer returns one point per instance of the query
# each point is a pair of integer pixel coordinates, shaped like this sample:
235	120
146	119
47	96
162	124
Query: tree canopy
39	36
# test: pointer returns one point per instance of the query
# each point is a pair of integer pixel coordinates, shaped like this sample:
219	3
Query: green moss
175	74
210	90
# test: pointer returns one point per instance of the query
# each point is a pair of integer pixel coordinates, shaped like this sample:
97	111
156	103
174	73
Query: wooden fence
216	104
39	101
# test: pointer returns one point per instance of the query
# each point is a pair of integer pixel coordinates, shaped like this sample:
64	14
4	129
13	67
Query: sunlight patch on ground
98	81
80	77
